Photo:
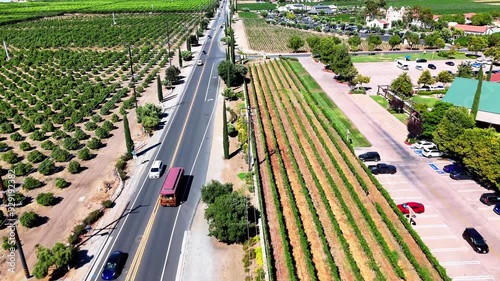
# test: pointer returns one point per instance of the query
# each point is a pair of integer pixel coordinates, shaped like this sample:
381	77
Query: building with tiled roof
473	29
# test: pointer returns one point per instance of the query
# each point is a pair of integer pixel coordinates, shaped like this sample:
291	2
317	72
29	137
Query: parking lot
383	73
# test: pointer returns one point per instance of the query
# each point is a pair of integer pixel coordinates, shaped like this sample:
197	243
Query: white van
402	64
155	171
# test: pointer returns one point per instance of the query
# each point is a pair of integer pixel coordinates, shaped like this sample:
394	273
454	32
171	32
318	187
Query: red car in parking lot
417	207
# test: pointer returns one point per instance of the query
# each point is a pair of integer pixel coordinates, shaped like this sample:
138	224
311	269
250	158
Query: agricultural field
438	7
328	218
65	86
19	11
270	38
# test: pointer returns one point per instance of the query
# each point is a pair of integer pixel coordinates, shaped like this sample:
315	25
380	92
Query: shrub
16	137
29	219
28	127
6	128
71	143
25	146
31	183
96	118
74	167
48	126
102	133
84	154
61	183
94	143
79	229
60	155
22	169
10	157
46	199
92	217
35	156
90	126
69	126
18	198
4	147
73	239
107	203
47	167
37	135
48	145
231	130
7	244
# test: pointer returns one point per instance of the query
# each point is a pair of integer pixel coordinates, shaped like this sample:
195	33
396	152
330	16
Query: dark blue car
496	209
453	167
113	266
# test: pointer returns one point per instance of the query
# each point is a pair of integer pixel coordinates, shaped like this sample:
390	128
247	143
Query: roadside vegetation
311	180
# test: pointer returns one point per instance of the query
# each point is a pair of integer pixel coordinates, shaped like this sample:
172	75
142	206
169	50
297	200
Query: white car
419	67
424	145
155	171
431	152
199	62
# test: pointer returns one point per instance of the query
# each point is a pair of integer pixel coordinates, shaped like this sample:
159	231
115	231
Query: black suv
421	60
370	156
490	198
475	240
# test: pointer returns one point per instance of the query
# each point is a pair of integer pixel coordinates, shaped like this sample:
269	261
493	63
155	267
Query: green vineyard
328	219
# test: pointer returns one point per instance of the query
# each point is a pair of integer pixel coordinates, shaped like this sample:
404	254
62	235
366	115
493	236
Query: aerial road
152	235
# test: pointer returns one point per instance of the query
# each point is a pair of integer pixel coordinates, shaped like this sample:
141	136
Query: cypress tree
477	96
227	53
128	137
488	78
160	92
180	57
229	69
188	43
225	136
233	57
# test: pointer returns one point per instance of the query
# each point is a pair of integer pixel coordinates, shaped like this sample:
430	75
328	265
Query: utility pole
14	230
132	75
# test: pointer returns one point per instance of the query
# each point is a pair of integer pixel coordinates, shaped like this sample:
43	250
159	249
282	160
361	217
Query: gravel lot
383	73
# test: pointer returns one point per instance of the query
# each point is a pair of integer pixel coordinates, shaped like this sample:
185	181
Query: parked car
475	240
490	198
424	144
382	168
419	67
432	152
155	171
453	167
431	66
421	60
461	175
450	63
496	209
370	156
416	207
113	266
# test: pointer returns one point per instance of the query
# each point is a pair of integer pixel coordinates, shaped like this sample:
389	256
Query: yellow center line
134	266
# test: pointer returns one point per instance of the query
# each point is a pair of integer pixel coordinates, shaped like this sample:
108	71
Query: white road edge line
178	276
209	80
438	237
442	250
450	263
92	273
178	210
430	225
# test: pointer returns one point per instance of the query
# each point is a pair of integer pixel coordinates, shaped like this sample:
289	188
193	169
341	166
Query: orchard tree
172	74
342	63
465	70
213	190
295	43
477	43
412	38
453	124
313	43
374	40
326	49
402	85
425	78
432	118
394	41
360	79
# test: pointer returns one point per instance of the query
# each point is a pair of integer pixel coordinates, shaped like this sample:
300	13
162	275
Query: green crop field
401	55
438	7
31	10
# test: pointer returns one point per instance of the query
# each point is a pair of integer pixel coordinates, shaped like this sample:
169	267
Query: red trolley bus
170	194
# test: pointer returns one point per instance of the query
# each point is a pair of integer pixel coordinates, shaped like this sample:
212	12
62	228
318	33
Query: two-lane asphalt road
152	235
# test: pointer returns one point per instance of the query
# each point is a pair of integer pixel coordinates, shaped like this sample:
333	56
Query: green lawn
429	101
398	55
385	104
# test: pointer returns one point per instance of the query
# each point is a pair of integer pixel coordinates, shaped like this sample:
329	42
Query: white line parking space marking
450	263
469	190
428	216
399	189
470	278
485	208
439	237
441	250
431	226
407	198
397	182
494	218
